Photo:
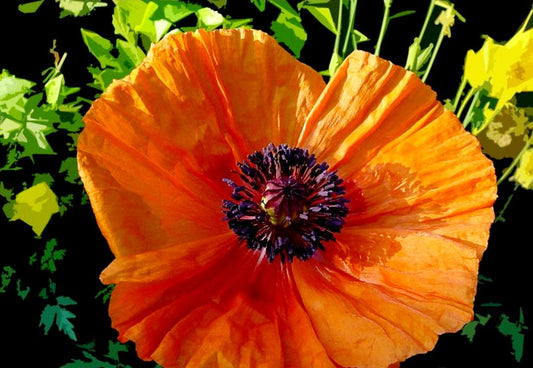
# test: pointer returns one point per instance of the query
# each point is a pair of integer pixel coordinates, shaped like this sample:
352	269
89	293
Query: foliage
57	314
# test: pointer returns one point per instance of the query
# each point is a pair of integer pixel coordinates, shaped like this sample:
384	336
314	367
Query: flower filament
286	204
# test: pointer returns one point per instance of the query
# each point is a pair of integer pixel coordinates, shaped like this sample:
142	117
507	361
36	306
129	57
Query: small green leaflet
5	277
43	178
43	294
69	166
218	3
78	8
259	4
418	58
105	293
22	120
288	27
61	316
22	293
110	67
51	255
469	330
209	19
92	362
114	348
515	330
30	7
5	192
322	11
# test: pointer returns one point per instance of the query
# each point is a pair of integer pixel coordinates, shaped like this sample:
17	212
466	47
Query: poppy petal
404	267
134	219
258	84
182	116
200	318
374	325
398	188
367	103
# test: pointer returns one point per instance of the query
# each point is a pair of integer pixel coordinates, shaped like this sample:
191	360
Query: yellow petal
524	172
35	206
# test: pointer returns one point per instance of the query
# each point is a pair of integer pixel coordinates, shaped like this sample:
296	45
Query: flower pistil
287	204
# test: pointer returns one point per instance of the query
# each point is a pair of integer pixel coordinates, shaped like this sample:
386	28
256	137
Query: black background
25	40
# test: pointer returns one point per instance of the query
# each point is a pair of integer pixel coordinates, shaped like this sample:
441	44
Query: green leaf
259	4
65	300
288	30
30	7
114	348
285	7
5	192
53	89
22	293
11	89
131	55
209	19
34	206
237	23
469	330
515	330
402	14
176	11
100	47
78	8
5	277
50	256
70	167
105	293
22	120
48	316
218	3
59	315
334	63
359	37
33	259
66	203
43	294
43	178
322	13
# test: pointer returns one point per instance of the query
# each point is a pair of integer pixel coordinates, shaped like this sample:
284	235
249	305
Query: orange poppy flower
260	218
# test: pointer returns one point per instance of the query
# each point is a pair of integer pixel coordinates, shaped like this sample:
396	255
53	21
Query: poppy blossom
261	218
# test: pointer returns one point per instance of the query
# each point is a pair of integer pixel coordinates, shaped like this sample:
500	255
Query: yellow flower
447	19
513	67
508	68
524	172
478	65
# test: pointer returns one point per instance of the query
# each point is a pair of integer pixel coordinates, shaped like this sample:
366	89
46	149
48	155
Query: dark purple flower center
285	203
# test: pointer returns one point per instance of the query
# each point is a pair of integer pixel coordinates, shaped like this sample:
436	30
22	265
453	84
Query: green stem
418	40
473	103
349	32
426	21
459	93
336	59
384	25
500	217
516	160
339	29
434	54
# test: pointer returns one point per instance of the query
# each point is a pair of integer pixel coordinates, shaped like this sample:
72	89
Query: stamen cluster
286	203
